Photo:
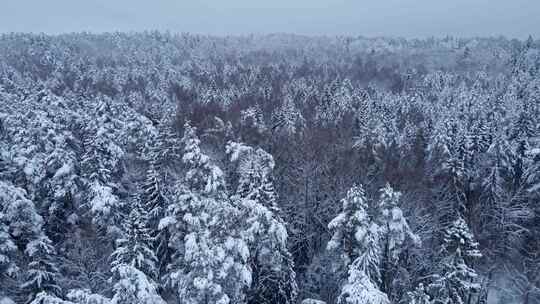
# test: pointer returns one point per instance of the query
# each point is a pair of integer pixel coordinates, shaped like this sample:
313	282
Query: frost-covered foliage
396	238
84	296
358	237
45	298
19	214
42	273
135	247
201	175
280	128
264	231
102	205
7	250
418	296
351	225
209	261
371	245
458	281
393	225
133	286
360	289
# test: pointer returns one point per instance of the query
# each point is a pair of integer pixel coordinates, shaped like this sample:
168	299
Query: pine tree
8	251
287	120
521	134
19	214
274	279
134	248
133	286
496	187
102	157
500	159
63	188
21	230
167	147
154	200
393	224
153	197
209	261
457	281
42	273
360	288
394	232
103	203
201	176
134	263
358	237
101	163
7	169
162	154
350	226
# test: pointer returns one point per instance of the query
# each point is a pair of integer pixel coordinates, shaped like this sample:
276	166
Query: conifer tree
100	163
133	286
134	248
154	200
209	261
42	273
162	154
360	289
394	232
358	237
457	281
274	279
134	263
8	251
350	226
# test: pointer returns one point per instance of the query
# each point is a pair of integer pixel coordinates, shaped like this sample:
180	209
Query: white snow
66	169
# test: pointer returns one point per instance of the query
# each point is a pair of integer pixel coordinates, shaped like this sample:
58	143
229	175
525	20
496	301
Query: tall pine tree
457	281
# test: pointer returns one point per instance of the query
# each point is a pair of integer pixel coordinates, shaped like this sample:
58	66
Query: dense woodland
166	168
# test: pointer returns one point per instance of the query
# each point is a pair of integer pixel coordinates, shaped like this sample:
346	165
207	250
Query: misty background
406	18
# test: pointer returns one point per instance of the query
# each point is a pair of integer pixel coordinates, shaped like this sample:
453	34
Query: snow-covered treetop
352	224
133	286
202	175
360	289
254	168
393	222
459	239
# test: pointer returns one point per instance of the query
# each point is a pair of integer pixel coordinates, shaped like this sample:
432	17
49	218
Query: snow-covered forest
166	168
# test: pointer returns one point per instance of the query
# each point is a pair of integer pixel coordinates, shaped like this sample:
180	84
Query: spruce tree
101	164
154	200
350	226
8	250
134	248
457	281
134	263
209	259
133	286
394	233
358	238
274	279
42	273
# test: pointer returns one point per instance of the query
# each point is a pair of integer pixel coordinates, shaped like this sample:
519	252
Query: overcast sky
407	18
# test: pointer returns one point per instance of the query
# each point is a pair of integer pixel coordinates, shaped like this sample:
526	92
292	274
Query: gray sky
407	18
